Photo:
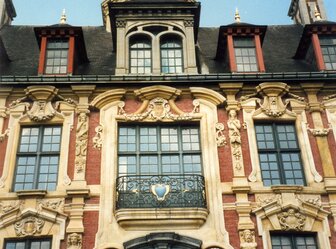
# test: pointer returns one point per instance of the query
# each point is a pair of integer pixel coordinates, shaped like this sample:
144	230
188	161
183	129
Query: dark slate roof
279	47
22	48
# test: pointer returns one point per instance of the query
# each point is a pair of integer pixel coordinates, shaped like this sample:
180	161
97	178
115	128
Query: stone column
190	49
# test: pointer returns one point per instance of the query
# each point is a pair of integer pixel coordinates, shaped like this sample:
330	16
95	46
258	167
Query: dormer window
318	45
245	54
171	55
328	47
140	55
62	49
56	57
240	46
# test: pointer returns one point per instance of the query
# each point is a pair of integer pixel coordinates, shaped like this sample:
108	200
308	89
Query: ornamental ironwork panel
161	191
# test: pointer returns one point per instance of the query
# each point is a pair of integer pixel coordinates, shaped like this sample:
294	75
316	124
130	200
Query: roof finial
237	16
317	14
63	17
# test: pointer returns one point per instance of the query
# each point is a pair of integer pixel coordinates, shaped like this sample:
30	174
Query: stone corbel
322	132
74	241
247	239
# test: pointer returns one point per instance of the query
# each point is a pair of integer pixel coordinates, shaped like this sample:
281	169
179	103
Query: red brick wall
313	144
333	233
231	225
91	227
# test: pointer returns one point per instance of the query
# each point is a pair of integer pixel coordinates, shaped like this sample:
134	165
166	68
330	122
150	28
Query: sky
214	12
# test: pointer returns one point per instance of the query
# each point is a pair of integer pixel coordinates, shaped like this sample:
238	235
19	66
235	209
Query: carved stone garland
272	104
54	204
235	141
42	108
81	141
220	137
158	109
98	138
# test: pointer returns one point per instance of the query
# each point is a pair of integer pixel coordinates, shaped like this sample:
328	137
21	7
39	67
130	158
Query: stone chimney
7	12
304	11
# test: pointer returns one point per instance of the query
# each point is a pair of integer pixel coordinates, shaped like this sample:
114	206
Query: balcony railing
160	191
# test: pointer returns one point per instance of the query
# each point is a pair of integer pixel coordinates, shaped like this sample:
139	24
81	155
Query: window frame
61	49
38	154
140	37
159	152
293	238
328	37
245	47
278	151
172	39
28	241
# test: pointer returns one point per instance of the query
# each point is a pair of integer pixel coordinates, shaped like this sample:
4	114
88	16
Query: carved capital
121	24
189	23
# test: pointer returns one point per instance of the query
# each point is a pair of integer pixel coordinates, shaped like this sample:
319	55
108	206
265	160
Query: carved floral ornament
272	103
158	109
38	102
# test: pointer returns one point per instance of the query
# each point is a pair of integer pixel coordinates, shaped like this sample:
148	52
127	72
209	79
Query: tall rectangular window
293	241
279	154
28	244
160	166
245	54
56	61
38	158
159	150
140	55
171	55
328	46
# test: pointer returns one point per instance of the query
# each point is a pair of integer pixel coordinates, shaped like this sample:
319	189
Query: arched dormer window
140	50
171	54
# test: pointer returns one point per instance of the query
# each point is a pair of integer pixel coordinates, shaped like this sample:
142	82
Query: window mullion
278	154
38	157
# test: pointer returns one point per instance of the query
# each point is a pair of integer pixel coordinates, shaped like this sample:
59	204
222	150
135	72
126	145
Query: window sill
31	193
287	188
146	218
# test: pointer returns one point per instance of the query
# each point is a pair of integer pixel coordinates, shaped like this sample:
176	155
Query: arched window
171	55
140	55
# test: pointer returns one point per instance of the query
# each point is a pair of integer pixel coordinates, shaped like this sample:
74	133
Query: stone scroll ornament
81	141
158	109
28	226
234	126
292	220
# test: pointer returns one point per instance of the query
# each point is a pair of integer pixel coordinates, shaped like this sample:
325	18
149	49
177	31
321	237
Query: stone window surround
156	50
174	218
298	116
187	38
17	119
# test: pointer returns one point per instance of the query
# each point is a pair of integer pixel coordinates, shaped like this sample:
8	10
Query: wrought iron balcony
160	191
